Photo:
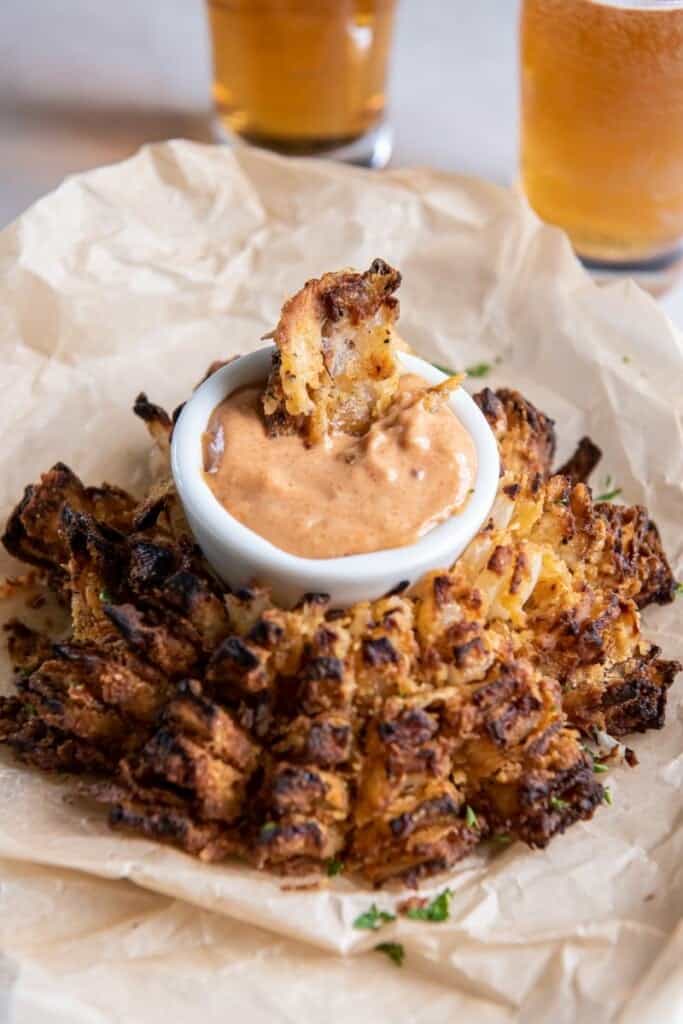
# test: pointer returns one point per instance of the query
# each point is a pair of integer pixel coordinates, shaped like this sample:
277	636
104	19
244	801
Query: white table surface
86	82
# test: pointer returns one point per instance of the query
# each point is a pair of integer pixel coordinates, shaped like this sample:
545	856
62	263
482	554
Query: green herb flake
607	796
599	767
438	910
626	359
373	919
105	596
501	839
478	370
609	495
471	818
394	950
30	710
268	829
557	804
334	867
678	589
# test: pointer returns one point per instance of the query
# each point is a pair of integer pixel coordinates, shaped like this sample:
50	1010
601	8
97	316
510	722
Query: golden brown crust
395	735
526	436
335	366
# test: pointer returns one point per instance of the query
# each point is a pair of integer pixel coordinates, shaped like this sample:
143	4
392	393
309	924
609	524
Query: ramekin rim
198	498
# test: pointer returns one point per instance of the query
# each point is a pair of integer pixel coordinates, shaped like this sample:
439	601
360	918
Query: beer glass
304	77
602	127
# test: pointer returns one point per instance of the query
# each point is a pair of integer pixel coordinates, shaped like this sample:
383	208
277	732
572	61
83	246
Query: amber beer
300	76
602	124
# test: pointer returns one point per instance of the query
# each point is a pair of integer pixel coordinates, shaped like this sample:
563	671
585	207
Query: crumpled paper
135	277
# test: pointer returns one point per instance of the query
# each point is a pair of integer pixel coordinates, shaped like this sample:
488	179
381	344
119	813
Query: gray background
86	82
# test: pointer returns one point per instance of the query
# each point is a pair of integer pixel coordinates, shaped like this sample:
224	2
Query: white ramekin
241	557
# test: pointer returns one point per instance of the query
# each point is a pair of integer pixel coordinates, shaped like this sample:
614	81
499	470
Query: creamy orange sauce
415	467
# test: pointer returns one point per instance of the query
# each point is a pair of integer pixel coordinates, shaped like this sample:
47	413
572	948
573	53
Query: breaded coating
581	462
33	532
335	367
525	435
158	421
395	735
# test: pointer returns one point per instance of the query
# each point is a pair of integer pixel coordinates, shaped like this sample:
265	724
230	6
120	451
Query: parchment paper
136	277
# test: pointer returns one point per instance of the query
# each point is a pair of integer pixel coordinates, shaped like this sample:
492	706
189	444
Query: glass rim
649	6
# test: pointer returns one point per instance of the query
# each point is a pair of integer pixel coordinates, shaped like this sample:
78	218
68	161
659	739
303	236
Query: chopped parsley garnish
626	359
598	766
373	919
394	950
608	492
444	369
478	370
105	596
607	796
475	370
678	589
471	818
437	910
334	867
609	495
501	839
268	829
557	804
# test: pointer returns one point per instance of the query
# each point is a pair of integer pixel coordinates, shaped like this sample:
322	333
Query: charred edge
235	650
280	835
412	728
150	564
328	743
442	590
398	589
149	412
442	807
499	728
582	462
184	590
490	404
378	652
319	600
324	668
266	633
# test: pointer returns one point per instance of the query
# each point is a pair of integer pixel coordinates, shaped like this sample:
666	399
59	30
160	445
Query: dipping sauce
415	467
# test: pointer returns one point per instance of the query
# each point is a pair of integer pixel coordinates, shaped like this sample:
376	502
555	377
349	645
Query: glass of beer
304	77
602	127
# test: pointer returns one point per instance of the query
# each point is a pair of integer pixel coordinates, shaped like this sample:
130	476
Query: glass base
370	150
655	275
